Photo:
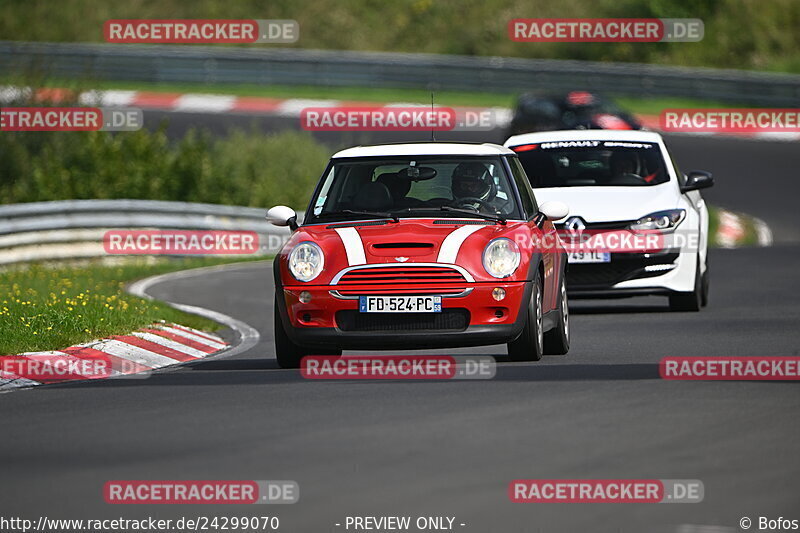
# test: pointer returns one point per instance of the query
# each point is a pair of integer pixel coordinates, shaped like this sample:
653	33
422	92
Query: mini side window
524	186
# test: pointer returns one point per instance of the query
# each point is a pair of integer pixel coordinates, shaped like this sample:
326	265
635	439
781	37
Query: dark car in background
576	110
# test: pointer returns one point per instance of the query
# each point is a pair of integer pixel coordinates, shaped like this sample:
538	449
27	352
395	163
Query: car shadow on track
576	372
606	308
266	371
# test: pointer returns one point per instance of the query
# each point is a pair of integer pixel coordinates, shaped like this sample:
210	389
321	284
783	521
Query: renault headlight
660	220
501	257
306	261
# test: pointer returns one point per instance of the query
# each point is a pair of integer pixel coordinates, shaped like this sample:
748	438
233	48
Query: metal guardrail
75	228
276	66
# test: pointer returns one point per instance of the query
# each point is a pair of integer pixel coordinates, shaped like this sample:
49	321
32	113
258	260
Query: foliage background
245	168
748	34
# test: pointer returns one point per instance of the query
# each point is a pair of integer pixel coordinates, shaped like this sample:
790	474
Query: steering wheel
464	202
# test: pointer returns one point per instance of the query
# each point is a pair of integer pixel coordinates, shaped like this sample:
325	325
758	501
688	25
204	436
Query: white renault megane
624	181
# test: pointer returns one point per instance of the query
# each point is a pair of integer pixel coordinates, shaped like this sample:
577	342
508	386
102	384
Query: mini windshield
415	186
592	163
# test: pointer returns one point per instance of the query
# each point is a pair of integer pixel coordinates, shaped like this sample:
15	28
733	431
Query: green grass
47	307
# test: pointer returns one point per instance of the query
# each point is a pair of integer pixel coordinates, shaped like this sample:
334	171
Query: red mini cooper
425	245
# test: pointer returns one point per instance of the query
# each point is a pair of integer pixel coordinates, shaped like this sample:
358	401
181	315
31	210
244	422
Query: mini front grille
402	275
405	291
401	245
447	320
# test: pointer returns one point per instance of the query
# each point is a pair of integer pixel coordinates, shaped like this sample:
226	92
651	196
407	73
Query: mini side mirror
554	210
280	215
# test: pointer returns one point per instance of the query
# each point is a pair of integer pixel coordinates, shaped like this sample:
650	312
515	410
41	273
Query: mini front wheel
556	341
529	345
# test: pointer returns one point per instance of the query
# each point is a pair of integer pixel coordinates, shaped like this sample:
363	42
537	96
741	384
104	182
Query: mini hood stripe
353	246
452	243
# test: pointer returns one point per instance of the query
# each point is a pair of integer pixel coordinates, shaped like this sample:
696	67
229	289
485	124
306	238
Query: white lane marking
169	343
193	337
107	98
135	354
294	106
353	246
204	334
452	243
212	103
248	335
777	135
10	94
10	381
763	232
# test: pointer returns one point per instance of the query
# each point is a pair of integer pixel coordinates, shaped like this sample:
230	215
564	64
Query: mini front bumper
315	324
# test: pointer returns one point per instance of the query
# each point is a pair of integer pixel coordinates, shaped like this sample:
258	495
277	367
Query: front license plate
589	257
400	304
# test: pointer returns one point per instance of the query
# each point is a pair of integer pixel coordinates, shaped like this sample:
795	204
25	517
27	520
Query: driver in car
624	165
626	169
473	186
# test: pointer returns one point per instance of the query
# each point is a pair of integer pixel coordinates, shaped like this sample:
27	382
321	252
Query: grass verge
48	307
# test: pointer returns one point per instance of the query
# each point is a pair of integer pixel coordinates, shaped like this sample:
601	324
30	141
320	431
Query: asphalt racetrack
450	448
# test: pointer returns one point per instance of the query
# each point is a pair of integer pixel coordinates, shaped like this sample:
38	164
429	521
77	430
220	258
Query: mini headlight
660	221
501	257
306	261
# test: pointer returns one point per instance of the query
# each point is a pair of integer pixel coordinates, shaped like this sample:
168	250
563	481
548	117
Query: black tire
529	345
556	341
287	352
689	301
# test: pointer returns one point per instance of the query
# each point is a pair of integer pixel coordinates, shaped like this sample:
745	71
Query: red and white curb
212	103
140	352
160	346
731	230
282	107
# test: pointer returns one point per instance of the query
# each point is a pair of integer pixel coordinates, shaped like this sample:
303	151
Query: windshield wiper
496	218
376	214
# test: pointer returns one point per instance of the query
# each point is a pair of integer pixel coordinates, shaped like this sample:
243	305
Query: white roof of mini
427	148
584	135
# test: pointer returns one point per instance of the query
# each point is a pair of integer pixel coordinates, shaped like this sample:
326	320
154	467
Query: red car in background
425	245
